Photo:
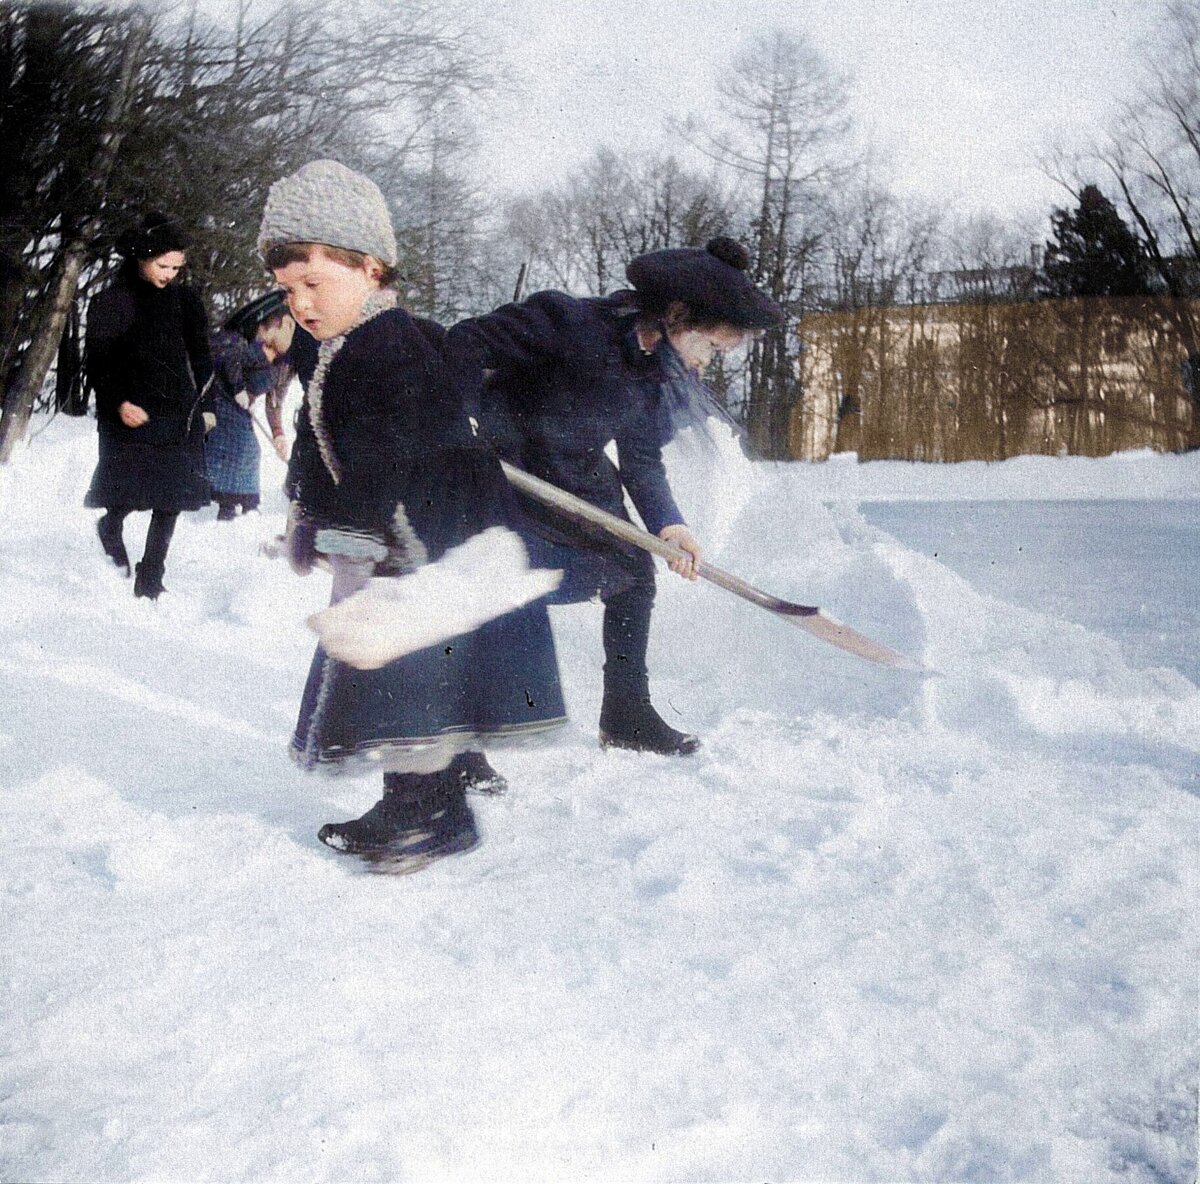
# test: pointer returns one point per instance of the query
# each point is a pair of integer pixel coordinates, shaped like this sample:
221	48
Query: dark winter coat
569	376
149	346
231	449
384	462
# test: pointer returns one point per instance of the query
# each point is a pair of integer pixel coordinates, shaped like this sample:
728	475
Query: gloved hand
300	541
242	399
210	421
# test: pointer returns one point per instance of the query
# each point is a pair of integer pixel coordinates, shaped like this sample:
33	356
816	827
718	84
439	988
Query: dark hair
155	234
282	254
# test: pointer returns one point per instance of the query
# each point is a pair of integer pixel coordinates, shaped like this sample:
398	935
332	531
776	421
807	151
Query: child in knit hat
385	477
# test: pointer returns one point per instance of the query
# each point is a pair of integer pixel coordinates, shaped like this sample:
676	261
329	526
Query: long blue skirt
231	451
498	684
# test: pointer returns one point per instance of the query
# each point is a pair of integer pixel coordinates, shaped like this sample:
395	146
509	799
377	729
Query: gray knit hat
325	202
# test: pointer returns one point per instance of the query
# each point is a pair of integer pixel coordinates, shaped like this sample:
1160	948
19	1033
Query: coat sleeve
534	332
308	481
639	457
406	411
227	370
258	377
110	318
281	377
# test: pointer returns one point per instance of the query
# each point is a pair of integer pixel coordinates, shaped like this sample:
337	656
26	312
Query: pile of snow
1138	475
882	927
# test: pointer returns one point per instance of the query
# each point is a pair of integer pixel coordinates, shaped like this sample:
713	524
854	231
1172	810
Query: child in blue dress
385	476
246	364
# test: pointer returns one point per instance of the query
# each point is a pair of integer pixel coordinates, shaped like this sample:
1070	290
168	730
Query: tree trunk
52	315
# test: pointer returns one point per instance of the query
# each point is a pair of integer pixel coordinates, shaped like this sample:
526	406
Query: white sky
959	96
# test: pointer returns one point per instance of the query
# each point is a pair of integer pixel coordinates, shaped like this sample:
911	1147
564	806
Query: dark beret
260	310
712	282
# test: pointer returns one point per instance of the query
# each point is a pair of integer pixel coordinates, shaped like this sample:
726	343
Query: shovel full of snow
806	616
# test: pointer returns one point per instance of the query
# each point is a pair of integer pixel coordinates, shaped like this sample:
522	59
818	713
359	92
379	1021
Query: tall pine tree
1093	252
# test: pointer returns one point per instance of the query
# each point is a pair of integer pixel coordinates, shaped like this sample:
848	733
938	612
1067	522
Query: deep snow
883	927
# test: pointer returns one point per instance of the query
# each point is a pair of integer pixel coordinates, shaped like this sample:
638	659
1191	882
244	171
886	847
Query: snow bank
1138	475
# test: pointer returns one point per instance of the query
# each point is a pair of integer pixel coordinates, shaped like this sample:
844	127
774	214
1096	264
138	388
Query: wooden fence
948	382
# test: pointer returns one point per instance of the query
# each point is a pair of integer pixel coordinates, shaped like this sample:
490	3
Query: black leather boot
147	582
149	577
421	817
628	720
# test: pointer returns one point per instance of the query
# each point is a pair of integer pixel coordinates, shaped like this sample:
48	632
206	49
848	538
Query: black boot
476	775
420	818
373	831
627	720
147	582
227	505
108	527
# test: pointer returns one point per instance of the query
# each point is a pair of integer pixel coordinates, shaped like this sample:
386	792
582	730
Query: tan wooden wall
989	381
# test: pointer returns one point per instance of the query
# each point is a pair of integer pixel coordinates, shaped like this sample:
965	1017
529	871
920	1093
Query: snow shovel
807	616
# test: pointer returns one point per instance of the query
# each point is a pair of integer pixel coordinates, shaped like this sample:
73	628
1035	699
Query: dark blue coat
569	376
393	412
390	442
149	346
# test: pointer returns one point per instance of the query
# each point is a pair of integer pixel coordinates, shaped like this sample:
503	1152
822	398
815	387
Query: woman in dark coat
149	363
568	377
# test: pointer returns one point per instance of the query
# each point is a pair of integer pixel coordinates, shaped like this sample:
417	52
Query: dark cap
260	310
712	282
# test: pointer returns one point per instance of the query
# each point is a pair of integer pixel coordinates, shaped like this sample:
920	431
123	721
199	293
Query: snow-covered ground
884	927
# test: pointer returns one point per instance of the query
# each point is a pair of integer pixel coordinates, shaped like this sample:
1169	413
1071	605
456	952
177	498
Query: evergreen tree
1093	252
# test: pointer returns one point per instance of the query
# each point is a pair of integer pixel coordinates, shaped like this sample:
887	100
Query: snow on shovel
484	578
807	616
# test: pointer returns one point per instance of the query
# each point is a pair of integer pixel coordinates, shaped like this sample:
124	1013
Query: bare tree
218	110
51	316
784	128
579	234
986	261
226	108
57	67
877	254
1152	154
440	214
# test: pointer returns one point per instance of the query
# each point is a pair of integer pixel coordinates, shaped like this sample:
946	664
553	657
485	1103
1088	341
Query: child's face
276	336
326	297
698	346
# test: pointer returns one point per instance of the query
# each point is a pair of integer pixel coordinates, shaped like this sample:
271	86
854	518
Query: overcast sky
959	94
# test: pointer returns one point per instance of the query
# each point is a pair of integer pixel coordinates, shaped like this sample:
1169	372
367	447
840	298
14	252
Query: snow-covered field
884	927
